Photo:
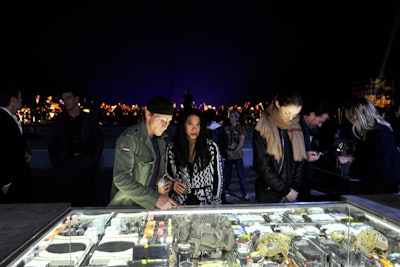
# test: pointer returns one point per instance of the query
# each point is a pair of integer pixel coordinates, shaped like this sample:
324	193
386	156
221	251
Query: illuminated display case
342	233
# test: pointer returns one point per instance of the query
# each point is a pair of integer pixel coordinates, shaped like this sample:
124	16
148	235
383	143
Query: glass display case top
313	234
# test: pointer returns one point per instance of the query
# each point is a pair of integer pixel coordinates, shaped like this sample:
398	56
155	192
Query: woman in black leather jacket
278	150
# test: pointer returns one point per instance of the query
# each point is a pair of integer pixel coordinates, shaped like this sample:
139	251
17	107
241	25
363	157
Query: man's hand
345	159
166	187
28	156
164	202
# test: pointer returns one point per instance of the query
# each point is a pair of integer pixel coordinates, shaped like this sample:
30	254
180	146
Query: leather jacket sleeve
298	175
266	167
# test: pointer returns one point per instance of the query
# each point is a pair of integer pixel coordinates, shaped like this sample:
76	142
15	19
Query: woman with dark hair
376	156
194	162
278	150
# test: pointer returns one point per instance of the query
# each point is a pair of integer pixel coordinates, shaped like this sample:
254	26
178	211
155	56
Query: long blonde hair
364	116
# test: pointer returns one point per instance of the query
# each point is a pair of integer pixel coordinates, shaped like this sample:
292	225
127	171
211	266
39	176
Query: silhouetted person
75	147
14	157
188	100
215	131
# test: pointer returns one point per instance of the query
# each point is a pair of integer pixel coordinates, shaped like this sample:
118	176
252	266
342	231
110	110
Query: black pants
76	181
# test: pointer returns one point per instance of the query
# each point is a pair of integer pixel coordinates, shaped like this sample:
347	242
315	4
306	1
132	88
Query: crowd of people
196	163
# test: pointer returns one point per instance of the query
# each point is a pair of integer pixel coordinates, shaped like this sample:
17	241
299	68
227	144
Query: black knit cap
160	105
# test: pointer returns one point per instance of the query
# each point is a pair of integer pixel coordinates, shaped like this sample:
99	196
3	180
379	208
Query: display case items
323	234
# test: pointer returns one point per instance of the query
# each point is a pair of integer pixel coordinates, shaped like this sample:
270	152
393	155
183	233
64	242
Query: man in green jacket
140	160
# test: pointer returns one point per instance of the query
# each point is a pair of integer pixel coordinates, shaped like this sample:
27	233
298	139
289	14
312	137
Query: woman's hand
292	196
179	187
313	156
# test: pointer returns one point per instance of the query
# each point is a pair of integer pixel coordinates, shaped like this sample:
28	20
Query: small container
243	242
184	253
160	185
255	259
242	254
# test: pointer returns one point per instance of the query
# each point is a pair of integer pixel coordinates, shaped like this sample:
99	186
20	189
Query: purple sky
225	54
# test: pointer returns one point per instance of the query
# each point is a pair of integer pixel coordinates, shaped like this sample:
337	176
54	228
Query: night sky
127	51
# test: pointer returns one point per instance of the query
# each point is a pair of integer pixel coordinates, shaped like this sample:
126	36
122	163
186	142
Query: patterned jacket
205	185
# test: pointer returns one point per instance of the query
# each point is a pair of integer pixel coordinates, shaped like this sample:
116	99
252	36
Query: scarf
268	125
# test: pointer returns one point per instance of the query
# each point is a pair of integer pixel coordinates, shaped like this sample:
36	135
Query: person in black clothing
376	158
75	147
278	150
215	131
313	114
15	172
393	117
396	126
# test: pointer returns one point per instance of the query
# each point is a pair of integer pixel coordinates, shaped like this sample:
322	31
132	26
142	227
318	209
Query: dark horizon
225	54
